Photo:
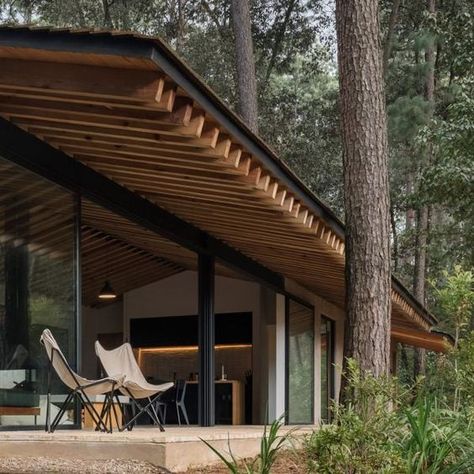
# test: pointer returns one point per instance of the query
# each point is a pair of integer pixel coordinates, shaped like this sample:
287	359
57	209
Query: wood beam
128	85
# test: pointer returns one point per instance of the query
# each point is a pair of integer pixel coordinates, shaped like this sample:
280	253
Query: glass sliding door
37	290
300	363
327	367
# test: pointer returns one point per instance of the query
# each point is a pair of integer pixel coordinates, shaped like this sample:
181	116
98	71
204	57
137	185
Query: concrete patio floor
176	449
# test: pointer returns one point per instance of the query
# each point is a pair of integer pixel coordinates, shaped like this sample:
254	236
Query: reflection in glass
327	367
37	289
300	365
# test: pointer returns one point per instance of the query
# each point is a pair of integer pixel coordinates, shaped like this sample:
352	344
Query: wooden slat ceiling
133	124
105	258
129	256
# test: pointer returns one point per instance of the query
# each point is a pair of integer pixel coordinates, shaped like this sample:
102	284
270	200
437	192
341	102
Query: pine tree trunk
395	250
419	283
180	24
246	78
410	212
107	16
388	45
366	187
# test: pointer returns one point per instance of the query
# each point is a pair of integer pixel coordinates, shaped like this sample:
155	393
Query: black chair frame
180	394
81	396
148	407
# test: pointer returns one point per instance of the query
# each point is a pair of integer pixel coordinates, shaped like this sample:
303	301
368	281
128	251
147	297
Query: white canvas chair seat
122	359
79	386
146	390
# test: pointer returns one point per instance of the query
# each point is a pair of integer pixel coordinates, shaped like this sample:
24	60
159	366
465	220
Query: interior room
152	303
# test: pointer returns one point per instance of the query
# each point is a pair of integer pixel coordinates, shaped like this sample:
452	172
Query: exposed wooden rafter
150	135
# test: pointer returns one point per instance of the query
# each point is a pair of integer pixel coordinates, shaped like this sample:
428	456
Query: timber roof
125	105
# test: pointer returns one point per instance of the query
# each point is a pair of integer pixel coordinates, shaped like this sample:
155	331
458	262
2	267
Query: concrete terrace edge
175	452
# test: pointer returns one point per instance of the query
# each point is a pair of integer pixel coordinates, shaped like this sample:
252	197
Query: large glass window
300	363
327	367
37	290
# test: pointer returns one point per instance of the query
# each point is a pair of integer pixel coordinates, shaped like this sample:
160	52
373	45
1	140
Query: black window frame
330	369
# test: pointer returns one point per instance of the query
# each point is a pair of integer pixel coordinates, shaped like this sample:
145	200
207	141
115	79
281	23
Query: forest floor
288	462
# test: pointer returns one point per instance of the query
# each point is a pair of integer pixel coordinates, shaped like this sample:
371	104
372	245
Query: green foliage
456	299
270	446
450	377
437	440
406	117
300	118
377	431
360	440
431	148
449	181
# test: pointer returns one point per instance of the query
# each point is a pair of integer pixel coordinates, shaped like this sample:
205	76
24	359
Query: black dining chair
174	397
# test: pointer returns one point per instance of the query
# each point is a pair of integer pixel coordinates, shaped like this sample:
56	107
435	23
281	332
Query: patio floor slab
176	449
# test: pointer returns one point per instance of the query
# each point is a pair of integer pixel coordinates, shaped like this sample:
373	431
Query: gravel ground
59	466
287	463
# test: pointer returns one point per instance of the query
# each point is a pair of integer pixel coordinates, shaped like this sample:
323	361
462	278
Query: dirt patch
288	462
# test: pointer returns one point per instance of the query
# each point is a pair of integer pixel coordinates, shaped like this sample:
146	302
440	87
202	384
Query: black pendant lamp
107	292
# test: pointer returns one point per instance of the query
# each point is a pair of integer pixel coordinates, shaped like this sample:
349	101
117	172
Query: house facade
118	166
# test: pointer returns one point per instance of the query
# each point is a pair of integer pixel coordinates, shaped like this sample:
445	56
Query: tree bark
419	283
246	78
212	15
107	17
366	185
181	27
420	271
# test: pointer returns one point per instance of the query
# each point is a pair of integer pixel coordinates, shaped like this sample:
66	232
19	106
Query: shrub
378	431
437	440
361	438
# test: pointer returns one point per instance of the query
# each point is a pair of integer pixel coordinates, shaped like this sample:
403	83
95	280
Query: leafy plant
456	298
361	439
270	446
437	441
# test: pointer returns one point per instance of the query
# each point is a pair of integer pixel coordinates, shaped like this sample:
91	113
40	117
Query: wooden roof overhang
125	106
433	341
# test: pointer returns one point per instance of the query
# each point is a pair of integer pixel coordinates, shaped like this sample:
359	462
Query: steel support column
206	397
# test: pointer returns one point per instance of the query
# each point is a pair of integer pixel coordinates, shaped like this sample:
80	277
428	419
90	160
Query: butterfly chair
81	388
135	385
